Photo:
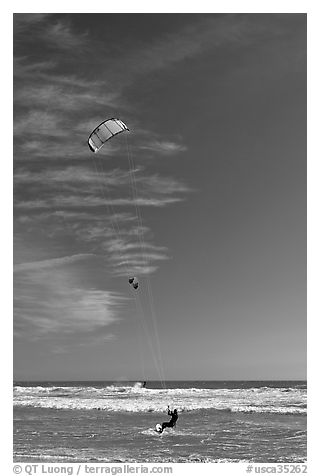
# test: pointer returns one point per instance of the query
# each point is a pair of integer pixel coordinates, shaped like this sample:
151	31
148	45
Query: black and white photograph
159	238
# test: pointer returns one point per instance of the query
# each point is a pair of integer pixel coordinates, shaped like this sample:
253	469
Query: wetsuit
172	422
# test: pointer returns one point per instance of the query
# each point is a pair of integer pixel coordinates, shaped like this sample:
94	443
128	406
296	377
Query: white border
63	6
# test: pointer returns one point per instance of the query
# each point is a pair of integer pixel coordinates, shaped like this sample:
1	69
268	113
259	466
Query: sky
204	199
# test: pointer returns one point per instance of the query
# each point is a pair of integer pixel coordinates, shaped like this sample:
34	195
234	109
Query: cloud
121	245
37	72
47	29
164	147
92	201
75	174
207	32
72	176
24	69
136	263
55	110
49	263
63	97
49	300
24	21
79	187
76	177
161	185
39	122
61	35
44	146
72	205
135	258
140	269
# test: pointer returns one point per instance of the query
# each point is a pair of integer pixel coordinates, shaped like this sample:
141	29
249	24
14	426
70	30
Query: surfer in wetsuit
172	422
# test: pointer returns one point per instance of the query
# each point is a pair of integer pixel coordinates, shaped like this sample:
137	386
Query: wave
125	398
193	458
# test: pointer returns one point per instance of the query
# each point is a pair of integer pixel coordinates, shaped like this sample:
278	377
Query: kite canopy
105	131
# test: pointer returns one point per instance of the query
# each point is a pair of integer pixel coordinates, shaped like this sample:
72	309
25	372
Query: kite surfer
172	422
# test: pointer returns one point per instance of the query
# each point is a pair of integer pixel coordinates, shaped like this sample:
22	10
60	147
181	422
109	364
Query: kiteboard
158	428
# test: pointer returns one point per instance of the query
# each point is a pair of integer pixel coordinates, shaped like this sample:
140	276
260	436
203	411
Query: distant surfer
172	422
144	384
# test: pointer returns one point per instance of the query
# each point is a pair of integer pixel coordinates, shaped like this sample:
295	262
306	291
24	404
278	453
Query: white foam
136	399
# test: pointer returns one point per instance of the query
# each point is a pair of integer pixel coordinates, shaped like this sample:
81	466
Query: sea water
241	421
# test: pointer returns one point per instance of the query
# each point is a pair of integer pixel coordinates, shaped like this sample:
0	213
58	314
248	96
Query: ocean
231	421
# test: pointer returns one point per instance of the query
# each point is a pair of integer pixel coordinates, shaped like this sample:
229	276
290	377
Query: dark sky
216	107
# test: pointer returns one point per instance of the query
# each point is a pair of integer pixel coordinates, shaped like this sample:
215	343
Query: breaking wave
134	398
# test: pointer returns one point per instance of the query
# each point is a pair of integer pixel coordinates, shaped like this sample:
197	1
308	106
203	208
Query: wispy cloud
47	73
60	199
57	33
60	34
135	257
45	146
49	300
164	147
80	187
39	122
76	176
72	175
140	269
24	69
48	263
209	32
97	211
63	97
25	21
120	245
93	201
